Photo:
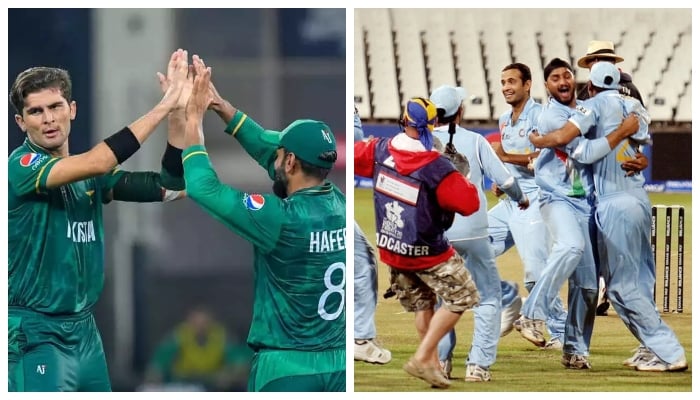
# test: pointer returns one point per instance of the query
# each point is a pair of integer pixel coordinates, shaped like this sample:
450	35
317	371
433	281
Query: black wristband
123	144
172	161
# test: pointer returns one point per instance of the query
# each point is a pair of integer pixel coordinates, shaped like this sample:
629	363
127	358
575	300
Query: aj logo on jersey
41	369
254	201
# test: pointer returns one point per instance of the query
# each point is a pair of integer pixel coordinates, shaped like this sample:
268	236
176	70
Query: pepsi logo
254	202
29	159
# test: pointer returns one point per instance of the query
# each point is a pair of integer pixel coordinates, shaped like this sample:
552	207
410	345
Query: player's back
609	109
300	284
55	237
481	159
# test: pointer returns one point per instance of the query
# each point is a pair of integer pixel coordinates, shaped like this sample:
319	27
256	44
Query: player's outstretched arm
172	179
228	205
119	147
495	170
589	151
245	130
557	138
518	159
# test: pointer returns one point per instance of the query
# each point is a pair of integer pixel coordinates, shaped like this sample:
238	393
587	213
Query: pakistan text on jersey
400	247
81	232
327	241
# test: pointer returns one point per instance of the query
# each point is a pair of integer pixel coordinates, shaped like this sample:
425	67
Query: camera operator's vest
410	222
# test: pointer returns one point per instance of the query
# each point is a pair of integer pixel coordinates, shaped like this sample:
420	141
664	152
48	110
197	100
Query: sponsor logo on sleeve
254	201
30	159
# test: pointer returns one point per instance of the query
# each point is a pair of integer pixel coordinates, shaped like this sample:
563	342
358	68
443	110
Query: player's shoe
553	344
429	374
446	367
518	324
477	373
368	350
642	355
658	365
533	331
575	361
511	313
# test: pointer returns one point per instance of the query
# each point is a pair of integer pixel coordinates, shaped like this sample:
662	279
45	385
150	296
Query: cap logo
29	159
326	136
254	201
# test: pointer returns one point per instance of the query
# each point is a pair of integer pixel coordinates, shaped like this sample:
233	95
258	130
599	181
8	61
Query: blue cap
605	75
449	98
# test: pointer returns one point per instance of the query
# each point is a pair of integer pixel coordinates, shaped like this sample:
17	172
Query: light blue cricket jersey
482	161
556	173
602	114
515	140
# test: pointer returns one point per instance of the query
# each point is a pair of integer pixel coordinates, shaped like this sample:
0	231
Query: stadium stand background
162	260
401	53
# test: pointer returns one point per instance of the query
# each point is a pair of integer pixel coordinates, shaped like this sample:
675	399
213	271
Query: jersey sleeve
632	105
248	134
495	170
589	151
109	180
364	157
584	118
258	218
27	172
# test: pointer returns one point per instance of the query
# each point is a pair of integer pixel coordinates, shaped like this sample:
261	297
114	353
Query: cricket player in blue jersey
604	50
366	285
469	234
508	224
566	200
566	205
623	217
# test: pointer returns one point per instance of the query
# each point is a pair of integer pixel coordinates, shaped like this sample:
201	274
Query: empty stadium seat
470	47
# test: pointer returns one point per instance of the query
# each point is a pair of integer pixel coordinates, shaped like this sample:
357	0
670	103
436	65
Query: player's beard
279	185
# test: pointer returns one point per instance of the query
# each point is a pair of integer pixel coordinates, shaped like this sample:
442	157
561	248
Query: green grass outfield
520	366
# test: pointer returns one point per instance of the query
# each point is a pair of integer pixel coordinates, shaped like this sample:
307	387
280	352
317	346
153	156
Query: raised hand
165	81
176	80
217	101
630	125
636	165
496	190
201	96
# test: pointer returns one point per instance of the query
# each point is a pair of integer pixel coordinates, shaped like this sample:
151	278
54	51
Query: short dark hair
446	119
314	171
554	64
525	73
36	79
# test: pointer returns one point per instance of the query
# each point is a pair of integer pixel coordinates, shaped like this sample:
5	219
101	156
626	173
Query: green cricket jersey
55	236
299	247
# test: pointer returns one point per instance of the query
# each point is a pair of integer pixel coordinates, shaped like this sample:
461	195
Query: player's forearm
143	187
176	129
203	185
590	151
194	134
517	159
557	138
511	187
144	126
225	110
248	133
97	161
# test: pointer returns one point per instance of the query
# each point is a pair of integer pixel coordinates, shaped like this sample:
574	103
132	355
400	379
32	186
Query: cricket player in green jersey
55	235
298	236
